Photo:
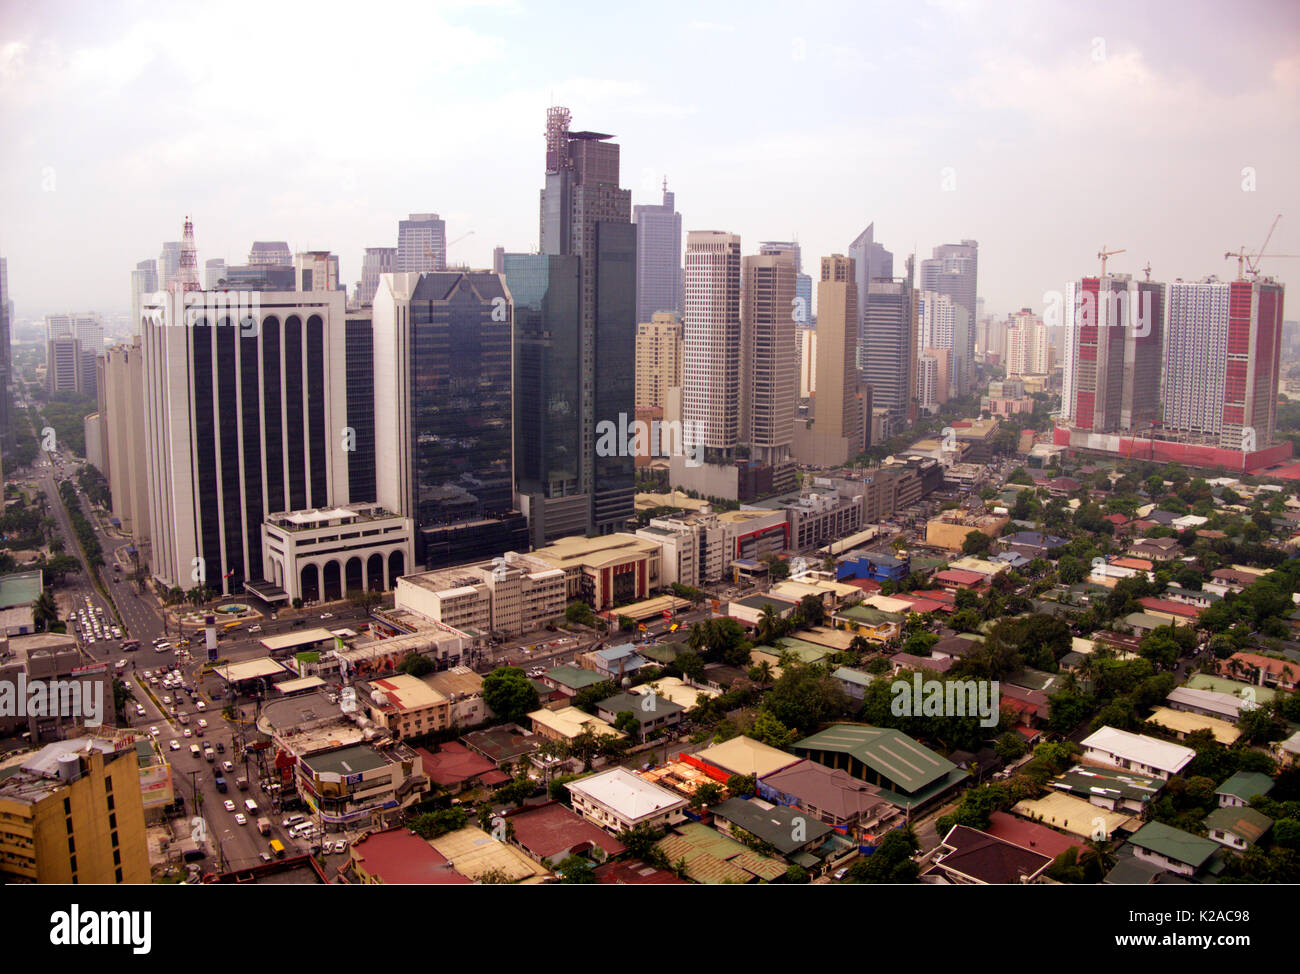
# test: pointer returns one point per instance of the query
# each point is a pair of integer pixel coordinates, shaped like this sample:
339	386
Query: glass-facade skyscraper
659	285
585	214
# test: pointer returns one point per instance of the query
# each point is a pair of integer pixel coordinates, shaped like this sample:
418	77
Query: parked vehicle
264	825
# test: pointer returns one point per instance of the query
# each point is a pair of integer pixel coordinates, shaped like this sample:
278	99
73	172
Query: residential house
1136	752
1237	827
618	801
1172	849
969	857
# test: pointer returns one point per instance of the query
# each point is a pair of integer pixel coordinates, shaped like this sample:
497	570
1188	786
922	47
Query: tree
507	691
626	722
430	825
45	612
891	862
706	795
576	870
415	665
805	697
742	784
363	599
813	610
1009	747
797	875
766	729
580	614
976	543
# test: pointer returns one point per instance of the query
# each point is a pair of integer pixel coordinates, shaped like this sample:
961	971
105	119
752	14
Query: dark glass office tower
548	393
360	342
585	214
461	412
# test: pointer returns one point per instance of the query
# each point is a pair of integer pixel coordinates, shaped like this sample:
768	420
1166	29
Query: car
227	766
201	705
255	628
175	745
188	732
841	872
341	846
202	723
139	710
241	818
327	615
167	700
154	731
264	856
230	806
146	673
221	748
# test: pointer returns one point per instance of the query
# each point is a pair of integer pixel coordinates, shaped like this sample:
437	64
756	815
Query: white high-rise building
927	382
377	260
1028	345
316	270
769	368
421	243
807	339
122	416
711	339
953	270
244	405
1222	353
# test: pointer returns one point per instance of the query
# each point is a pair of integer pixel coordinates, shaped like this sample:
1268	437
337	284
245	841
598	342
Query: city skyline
926	170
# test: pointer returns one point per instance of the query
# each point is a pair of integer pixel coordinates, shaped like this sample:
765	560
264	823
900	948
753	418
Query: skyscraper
802	311
444	412
270	253
144	280
1029	348
890	348
122	412
316	270
169	262
658	359
871	260
547	293
837	434
712	342
1221	363
72	368
1114	336
585	214
953	270
768	368
214	272
421	243
243	411
377	261
658	257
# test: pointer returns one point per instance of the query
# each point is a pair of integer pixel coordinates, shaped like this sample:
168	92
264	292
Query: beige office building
836	435
807	338
658	359
121	410
711	340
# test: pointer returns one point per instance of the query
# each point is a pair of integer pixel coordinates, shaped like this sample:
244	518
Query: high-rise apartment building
1222	354
953	270
1029	346
712	342
444	412
871	261
316	270
585	214
1114	345
70	365
658	257
768	366
244	415
927	382
940	322
421	243
73	812
377	261
658	359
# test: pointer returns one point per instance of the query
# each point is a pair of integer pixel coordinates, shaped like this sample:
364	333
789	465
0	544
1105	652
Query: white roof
1149	751
626	794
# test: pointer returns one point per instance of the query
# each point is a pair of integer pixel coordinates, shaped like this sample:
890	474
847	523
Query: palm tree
45	612
765	631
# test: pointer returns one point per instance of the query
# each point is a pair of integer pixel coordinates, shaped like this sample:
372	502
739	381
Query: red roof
455	764
1029	835
553	829
924	605
1117	519
1172	608
399	856
868	585
634	873
959	576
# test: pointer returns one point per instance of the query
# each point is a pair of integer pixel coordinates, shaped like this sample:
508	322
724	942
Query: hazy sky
1043	131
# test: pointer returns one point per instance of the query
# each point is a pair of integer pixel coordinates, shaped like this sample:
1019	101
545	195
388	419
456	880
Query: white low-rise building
1136	752
618	800
511	595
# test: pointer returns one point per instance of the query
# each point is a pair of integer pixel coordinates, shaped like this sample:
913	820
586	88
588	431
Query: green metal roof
1246	823
574	677
909	765
1246	785
1174	844
20	588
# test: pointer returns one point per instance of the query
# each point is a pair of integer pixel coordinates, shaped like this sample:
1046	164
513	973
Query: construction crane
1248	264
1103	254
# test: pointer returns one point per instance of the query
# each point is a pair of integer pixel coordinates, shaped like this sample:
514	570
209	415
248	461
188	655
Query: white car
139	710
188	732
175	745
341	845
257	628
227	766
241	818
203	723
327	615
167	701
230	806
154	731
201	705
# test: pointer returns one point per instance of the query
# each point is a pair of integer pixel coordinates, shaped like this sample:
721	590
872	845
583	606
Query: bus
130	645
